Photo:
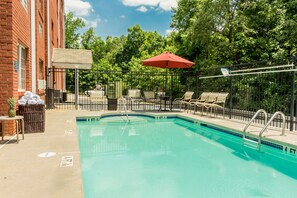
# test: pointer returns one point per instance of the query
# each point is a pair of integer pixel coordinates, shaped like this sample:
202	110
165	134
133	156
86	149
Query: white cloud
122	16
169	31
159	4
91	22
142	9
78	7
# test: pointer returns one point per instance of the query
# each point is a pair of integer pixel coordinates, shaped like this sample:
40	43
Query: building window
25	4
40	76
40	28
22	59
40	5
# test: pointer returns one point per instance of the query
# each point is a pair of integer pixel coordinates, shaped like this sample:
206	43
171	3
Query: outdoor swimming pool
175	158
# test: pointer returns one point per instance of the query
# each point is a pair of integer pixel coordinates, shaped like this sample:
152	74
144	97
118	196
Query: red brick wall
15	29
6	71
55	41
21	32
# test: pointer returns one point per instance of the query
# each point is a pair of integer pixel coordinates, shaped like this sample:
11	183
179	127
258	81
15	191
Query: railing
267	124
244	139
123	105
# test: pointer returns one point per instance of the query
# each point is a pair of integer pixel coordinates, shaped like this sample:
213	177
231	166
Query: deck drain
47	154
68	132
66	161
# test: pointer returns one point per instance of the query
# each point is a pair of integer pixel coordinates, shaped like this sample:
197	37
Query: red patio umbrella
167	60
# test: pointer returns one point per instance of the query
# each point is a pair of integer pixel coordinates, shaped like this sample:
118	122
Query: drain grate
47	154
68	132
66	161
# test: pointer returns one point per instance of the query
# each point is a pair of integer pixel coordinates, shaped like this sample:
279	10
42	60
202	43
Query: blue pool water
174	158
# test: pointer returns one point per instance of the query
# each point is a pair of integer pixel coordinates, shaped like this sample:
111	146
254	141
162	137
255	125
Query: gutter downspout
48	42
59	27
33	47
64	40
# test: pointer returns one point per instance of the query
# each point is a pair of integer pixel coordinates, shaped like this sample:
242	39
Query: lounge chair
97	97
212	97
150	97
218	103
202	98
134	96
185	99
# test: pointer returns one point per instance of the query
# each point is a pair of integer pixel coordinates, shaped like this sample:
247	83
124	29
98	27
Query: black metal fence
272	89
256	86
116	84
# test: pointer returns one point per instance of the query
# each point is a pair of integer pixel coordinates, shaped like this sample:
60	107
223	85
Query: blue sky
114	17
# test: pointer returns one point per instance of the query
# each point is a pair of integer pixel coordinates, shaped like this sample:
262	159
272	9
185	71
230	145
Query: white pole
33	47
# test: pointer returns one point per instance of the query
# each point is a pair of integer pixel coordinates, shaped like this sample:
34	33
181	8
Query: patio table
18	120
165	99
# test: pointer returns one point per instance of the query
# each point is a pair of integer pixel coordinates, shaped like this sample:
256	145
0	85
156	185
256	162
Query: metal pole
197	81
76	88
171	83
292	112
231	96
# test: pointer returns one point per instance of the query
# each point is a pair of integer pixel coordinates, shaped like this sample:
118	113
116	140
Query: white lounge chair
134	96
97	97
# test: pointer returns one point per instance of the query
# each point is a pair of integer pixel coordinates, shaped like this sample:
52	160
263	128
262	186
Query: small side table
18	120
165	99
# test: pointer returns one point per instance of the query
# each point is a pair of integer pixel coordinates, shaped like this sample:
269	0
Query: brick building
29	30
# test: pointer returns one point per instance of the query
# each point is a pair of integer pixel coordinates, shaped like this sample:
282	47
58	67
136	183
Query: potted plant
11	109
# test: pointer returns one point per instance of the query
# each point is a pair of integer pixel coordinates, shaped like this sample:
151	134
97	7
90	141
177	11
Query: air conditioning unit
41	84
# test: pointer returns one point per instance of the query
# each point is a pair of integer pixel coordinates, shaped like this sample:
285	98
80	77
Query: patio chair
134	96
150	97
212	97
218	103
97	97
185	99
202	98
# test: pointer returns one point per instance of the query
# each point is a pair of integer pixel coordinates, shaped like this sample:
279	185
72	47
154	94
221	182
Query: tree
72	25
94	43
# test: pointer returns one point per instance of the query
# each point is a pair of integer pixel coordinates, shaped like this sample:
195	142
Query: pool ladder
123	102
257	143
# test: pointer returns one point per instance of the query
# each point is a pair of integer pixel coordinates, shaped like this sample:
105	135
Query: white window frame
22	68
25	4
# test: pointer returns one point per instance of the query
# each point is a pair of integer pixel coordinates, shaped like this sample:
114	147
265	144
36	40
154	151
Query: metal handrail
123	102
250	122
271	119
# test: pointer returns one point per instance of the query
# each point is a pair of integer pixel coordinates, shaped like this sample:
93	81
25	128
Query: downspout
64	40
64	18
48	41
33	47
59	31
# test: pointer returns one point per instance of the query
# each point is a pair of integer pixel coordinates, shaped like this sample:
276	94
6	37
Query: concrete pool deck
24	174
